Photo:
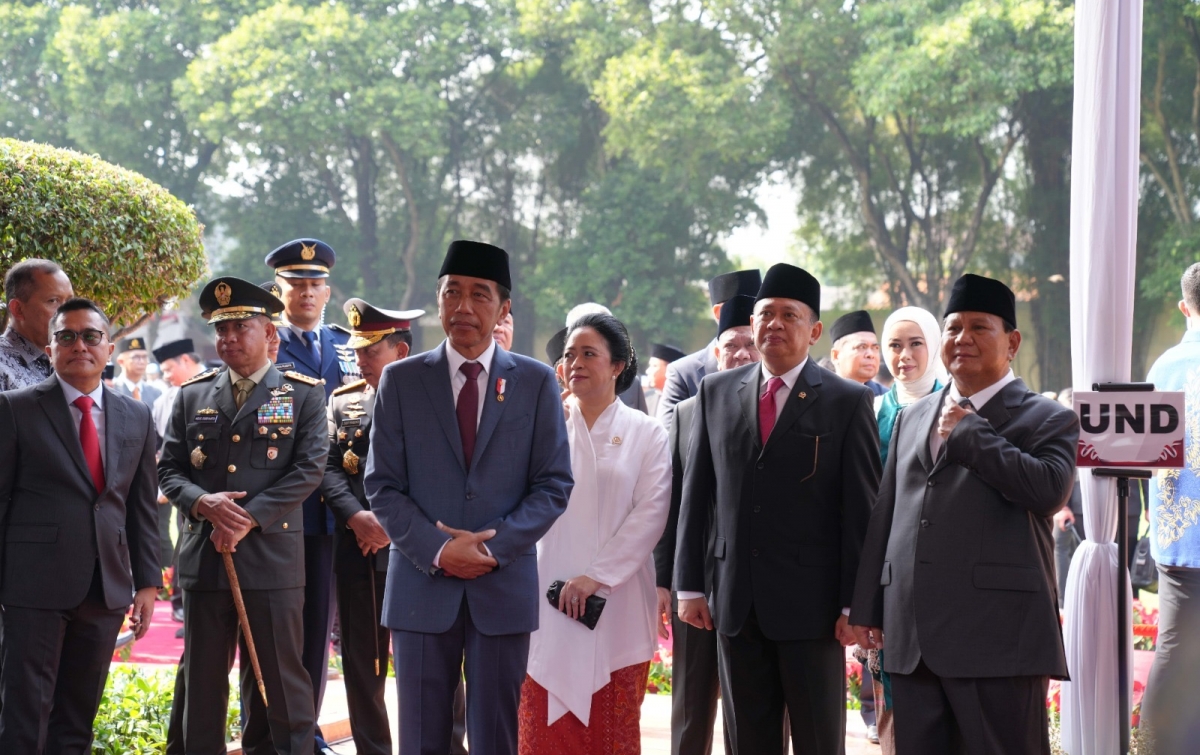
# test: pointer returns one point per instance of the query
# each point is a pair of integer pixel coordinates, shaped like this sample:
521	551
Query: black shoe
179	633
177	615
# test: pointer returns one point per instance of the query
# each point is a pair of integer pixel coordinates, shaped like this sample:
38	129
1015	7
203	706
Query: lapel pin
616	441
499	389
802	394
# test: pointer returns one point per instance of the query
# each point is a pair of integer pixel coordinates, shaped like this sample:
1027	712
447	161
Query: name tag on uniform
277	411
282	366
350	422
206	415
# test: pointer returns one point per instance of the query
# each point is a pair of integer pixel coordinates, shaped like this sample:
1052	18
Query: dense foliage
122	240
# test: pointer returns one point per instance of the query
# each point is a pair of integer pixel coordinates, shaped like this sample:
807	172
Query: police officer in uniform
379	337
246	445
319	351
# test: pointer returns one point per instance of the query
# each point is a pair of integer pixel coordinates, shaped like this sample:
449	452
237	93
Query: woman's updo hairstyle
614	334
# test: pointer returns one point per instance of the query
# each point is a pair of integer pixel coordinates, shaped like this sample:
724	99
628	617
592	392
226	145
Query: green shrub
124	241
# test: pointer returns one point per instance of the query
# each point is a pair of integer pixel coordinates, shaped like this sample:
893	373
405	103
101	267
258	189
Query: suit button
757	509
762	465
232	469
470	496
285	525
754	552
97	507
924	522
931	483
236	439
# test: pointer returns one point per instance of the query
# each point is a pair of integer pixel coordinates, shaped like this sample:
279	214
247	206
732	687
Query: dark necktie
468	409
766	409
241	391
310	338
90	440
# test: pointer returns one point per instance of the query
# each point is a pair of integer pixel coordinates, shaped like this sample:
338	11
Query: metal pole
1123	703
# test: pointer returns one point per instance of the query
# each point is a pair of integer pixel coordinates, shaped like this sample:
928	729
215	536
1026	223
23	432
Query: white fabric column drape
1104	196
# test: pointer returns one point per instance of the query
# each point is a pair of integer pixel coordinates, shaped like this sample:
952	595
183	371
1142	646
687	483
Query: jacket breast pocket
1007	577
266	453
203	445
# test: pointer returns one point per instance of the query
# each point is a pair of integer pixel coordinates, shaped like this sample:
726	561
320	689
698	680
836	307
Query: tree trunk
1046	117
365	172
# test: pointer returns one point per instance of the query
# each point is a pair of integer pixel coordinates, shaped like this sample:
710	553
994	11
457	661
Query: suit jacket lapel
748	399
297	349
996	411
329	358
799	399
54	403
115	428
925	418
436	379
503	368
222	391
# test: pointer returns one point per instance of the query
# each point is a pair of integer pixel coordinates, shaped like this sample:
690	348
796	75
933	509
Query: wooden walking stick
374	616
244	621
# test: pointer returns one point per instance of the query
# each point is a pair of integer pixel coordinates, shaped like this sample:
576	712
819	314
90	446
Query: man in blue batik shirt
1170	707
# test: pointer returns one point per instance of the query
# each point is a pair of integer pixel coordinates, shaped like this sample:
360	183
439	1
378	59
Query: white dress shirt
72	393
978	400
457	380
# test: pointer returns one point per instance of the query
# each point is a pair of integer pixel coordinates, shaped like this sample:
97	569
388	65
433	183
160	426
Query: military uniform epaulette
300	376
357	385
202	376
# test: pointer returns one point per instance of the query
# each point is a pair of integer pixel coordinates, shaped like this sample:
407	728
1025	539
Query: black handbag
1143	572
592	607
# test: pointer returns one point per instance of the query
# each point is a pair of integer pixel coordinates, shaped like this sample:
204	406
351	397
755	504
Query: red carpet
159	645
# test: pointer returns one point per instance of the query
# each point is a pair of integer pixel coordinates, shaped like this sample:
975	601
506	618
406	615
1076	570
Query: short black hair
76	304
400	336
1191	287
616	336
20	279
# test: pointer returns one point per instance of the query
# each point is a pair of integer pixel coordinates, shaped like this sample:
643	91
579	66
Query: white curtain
1104	194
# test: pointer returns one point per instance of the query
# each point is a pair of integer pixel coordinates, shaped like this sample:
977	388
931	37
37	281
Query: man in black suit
957	571
785	460
245	446
78	536
684	375
361	547
695	687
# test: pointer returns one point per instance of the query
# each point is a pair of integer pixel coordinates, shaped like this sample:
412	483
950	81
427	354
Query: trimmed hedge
124	241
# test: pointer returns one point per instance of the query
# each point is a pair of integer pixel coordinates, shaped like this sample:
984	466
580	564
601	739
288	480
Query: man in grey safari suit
956	582
469	467
245	446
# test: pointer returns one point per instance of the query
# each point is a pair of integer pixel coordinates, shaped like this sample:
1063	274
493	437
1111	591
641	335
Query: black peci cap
852	322
174	349
133	343
974	293
229	298
784	281
735	313
302	258
665	352
370	324
476	259
728	285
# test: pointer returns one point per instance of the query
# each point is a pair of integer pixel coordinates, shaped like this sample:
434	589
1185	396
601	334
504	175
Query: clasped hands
230	521
464	555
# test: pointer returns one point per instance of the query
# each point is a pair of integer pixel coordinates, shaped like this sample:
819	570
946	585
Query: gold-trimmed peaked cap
370	324
229	298
302	258
273	288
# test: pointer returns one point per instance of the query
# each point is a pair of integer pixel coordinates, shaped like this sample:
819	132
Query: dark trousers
1171	707
210	636
428	671
695	689
936	715
764	680
55	663
364	657
318	613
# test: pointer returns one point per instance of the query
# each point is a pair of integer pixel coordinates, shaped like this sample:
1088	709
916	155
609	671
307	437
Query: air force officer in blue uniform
319	351
469	466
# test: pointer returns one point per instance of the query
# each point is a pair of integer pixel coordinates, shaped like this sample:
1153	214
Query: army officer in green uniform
245	446
378	337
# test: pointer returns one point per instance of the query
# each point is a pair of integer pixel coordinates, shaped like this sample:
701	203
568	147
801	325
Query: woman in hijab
911	347
584	689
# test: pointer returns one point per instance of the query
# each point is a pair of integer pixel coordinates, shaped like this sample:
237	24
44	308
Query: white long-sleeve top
614	518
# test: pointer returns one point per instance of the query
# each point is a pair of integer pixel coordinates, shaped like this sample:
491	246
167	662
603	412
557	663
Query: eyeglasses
90	336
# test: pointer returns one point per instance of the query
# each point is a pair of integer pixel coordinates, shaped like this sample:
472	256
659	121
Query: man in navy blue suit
468	468
320	351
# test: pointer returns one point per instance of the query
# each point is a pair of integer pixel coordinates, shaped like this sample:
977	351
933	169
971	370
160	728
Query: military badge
499	389
307	251
350	462
272	453
341	434
358	433
277	411
355	317
262	431
355	413
198	458
207	414
223	293
285	431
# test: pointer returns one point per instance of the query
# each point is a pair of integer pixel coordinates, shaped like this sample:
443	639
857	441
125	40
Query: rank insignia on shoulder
357	385
200	377
301	377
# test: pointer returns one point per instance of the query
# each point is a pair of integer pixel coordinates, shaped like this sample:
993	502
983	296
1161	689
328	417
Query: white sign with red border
1141	429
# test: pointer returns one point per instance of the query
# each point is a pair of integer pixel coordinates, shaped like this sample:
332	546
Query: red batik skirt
615	727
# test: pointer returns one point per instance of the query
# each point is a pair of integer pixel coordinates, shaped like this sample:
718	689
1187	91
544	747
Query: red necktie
90	440
766	409
468	409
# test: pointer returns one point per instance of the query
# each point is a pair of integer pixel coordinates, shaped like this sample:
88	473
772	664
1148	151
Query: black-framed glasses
90	336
